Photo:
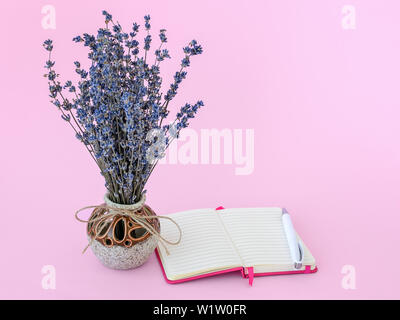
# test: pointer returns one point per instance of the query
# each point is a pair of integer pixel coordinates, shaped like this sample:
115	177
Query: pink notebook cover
247	273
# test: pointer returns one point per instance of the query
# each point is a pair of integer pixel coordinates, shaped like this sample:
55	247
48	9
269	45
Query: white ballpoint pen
295	246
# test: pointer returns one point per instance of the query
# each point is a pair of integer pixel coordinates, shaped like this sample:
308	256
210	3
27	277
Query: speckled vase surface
122	243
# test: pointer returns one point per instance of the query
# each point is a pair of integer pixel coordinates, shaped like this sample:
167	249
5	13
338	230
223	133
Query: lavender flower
107	16
48	45
147	42
147	22
162	36
162	54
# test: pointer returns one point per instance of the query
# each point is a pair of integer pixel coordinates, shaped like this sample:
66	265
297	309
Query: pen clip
299	264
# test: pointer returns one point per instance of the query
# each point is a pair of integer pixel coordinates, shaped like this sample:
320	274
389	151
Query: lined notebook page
204	246
259	237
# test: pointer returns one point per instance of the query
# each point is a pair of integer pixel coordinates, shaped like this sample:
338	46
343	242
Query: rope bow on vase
113	226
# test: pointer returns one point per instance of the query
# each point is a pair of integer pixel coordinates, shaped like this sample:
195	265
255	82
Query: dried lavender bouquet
117	108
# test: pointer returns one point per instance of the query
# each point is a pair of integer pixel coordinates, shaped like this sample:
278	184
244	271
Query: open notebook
215	241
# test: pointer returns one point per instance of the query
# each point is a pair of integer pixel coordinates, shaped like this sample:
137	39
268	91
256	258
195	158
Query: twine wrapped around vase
104	214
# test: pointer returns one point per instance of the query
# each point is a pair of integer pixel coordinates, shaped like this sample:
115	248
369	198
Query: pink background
324	106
